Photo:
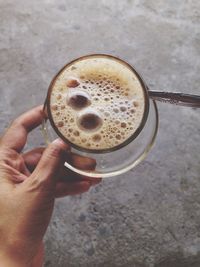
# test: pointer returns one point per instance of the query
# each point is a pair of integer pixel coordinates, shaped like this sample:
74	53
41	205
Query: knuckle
15	123
53	151
35	184
39	183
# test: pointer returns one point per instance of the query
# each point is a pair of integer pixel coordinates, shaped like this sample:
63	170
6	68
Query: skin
29	184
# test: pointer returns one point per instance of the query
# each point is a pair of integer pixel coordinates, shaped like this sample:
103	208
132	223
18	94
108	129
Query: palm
29	197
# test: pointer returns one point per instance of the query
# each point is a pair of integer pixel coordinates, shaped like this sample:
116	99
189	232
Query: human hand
29	184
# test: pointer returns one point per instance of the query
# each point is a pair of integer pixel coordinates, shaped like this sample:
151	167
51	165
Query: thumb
51	160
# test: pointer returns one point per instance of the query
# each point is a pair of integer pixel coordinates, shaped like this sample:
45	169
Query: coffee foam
97	103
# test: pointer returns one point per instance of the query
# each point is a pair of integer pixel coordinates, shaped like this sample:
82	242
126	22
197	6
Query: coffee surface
97	103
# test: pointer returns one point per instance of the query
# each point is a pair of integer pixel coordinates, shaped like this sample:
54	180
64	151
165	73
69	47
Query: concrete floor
149	217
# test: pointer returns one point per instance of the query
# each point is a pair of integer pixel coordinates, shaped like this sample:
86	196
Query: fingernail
59	142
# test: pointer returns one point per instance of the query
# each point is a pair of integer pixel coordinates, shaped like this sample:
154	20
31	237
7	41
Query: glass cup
121	158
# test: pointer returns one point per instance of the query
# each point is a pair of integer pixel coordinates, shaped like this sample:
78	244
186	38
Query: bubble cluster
97	103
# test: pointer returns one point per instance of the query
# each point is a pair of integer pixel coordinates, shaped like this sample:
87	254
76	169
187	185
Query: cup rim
128	140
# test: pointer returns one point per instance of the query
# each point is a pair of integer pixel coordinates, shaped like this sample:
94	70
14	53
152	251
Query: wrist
12	261
9	262
19	256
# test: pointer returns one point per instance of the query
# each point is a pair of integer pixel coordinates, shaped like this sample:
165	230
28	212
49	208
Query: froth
97	103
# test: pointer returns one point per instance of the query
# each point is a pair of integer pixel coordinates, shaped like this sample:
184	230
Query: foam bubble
72	82
118	137
78	99
54	107
123	125
76	133
96	138
60	124
123	108
90	120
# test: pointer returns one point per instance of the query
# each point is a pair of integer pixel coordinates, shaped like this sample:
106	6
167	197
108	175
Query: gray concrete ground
149	217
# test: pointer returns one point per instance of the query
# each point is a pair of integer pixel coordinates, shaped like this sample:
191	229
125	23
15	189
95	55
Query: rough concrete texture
149	217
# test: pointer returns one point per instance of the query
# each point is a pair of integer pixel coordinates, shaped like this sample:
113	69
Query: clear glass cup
111	162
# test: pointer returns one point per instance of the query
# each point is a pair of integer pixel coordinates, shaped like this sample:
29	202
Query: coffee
97	102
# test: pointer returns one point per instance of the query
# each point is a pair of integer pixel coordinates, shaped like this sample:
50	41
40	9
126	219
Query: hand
29	184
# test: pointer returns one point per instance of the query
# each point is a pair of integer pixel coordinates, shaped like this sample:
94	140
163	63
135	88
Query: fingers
73	188
16	135
65	189
83	163
32	158
67	175
86	164
72	183
92	180
50	162
80	162
50	167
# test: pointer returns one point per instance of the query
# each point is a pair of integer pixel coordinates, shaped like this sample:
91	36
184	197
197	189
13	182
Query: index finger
16	135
